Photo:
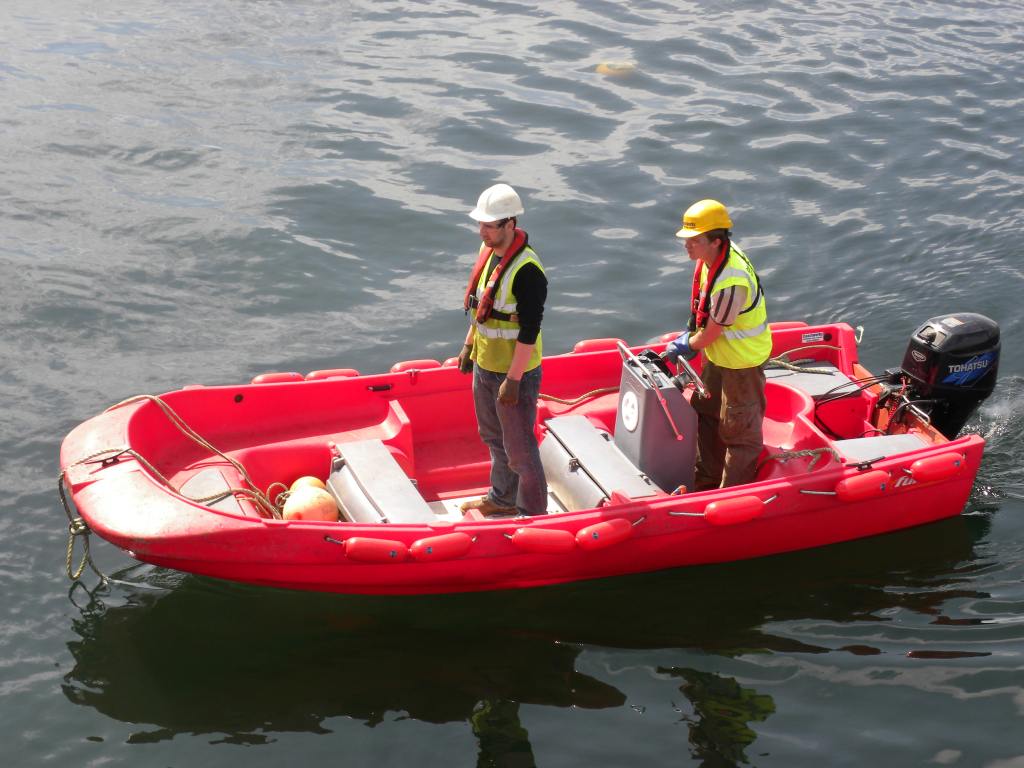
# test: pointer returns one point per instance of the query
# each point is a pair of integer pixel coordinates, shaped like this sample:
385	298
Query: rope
581	398
76	524
788	352
783	360
282	495
817	453
77	527
252	492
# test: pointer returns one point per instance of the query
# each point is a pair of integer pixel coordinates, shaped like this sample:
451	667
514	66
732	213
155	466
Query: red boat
186	480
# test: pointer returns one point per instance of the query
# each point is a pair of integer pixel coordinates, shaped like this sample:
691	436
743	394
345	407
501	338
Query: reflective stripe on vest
496	339
746	343
747	333
498	333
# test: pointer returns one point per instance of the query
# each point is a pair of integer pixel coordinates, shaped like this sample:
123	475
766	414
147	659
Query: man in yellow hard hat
729	324
506	294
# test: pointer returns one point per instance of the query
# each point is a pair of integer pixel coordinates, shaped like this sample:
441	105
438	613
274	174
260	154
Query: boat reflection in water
214	658
207	659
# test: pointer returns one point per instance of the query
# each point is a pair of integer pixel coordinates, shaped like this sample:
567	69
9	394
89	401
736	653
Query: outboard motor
951	363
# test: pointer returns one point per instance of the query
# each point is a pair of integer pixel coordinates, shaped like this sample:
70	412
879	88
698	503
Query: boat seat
370	487
812	381
585	469
866	448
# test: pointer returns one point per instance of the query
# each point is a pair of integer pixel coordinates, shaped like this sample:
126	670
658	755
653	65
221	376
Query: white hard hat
496	203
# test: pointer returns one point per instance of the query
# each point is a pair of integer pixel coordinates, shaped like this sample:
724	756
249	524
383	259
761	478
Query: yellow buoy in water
309	481
615	68
308	502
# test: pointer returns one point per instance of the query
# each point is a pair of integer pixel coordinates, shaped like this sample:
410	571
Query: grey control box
653	414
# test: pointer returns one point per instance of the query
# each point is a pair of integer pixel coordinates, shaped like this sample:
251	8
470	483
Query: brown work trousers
729	436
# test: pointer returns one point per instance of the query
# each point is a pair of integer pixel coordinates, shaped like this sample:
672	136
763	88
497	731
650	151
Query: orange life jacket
485	305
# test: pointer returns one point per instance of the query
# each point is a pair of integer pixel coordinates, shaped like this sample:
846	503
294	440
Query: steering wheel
685	374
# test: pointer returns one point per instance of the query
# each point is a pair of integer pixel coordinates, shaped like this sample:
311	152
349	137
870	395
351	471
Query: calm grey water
204	191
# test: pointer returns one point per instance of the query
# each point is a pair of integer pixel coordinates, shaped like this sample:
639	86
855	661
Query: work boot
485	505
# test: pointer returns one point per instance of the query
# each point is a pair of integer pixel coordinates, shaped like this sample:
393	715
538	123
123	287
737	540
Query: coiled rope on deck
783	456
784	361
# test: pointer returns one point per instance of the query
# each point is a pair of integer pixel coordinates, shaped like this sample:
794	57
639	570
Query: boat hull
132	502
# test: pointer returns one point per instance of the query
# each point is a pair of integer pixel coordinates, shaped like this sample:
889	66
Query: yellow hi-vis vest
747	343
495	340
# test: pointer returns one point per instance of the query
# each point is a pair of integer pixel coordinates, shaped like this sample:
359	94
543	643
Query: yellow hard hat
704	216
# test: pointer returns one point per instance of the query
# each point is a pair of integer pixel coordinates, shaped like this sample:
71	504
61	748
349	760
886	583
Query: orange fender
941	467
419	365
332	373
544	541
447	546
596	345
604	534
738	509
367	550
274	378
864	485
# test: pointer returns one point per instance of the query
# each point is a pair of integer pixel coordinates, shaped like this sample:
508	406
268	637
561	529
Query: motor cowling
951	364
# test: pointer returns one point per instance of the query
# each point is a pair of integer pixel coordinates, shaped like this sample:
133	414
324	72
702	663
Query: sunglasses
496	224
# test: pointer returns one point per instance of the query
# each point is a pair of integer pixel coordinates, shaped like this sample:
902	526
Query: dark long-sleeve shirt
530	288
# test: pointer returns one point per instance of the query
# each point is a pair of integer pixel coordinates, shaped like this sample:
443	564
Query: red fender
367	550
274	378
864	485
419	365
738	509
604	534
941	467
447	546
544	541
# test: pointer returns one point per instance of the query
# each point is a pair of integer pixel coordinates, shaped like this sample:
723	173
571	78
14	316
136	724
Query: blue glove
681	347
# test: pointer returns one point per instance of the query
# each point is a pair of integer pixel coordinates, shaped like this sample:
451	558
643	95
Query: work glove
465	359
508	392
681	348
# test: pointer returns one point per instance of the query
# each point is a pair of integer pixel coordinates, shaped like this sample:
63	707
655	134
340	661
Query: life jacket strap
700	310
495	314
485	305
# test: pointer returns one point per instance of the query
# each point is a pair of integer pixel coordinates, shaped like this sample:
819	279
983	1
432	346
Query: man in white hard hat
506	295
729	324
